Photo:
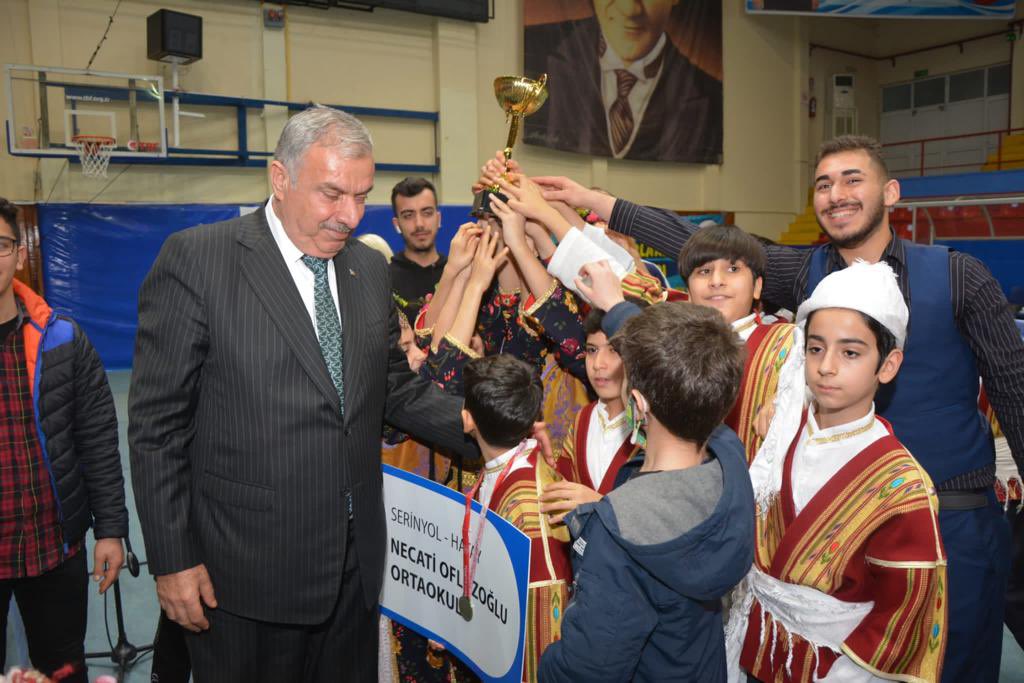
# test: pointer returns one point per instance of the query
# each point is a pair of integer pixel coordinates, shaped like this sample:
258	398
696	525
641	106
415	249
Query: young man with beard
960	329
415	270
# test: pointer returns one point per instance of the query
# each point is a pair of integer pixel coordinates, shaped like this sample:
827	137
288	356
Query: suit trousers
342	648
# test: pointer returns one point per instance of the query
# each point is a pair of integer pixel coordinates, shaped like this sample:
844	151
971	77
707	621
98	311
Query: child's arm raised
486	260
460	254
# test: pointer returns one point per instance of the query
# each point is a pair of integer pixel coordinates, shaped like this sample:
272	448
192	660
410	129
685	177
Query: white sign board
423	575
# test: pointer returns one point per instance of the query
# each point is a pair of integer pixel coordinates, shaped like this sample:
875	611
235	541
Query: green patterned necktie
328	326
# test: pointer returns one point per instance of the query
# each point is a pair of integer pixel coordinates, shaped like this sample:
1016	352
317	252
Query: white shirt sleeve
607	244
575	251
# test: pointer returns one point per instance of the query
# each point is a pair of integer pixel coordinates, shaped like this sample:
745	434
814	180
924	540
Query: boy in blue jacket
653	558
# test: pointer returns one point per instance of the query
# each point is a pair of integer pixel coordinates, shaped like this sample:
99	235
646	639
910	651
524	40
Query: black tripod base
124	653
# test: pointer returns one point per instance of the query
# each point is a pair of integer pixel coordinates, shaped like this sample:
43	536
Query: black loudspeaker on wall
174	37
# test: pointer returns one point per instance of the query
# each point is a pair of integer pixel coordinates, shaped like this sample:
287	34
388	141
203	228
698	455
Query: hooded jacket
651	562
75	422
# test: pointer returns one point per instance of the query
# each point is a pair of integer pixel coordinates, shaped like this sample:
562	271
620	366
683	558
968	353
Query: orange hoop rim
95	139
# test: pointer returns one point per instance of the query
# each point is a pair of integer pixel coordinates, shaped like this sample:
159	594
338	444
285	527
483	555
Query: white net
94	152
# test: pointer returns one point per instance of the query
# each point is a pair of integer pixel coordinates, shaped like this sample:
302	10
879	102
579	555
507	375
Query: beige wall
400	60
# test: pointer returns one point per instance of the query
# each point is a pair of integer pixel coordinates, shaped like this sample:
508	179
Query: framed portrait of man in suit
627	80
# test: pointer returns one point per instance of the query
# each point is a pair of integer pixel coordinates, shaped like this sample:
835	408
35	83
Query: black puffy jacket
75	420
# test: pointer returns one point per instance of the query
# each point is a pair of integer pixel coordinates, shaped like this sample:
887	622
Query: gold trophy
519	97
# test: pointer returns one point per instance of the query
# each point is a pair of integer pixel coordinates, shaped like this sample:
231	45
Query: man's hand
562	497
524	197
604	290
107	558
183	594
560	188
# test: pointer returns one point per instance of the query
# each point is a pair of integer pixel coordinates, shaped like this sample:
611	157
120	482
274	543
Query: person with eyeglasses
60	470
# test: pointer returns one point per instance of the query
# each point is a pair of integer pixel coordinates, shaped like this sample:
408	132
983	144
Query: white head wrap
870	288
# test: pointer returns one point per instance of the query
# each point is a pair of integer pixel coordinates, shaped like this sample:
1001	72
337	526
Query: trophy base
482	204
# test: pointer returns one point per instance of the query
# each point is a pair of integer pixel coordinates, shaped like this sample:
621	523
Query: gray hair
321	125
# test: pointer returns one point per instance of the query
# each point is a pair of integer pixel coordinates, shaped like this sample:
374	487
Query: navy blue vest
933	402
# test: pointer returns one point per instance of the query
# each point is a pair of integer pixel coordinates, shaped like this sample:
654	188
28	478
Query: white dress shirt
300	272
638	97
492	468
821	453
604	438
744	327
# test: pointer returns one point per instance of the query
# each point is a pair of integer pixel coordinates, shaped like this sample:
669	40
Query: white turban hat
870	288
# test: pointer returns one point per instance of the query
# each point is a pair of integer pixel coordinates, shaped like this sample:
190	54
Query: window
896	97
969	85
998	80
930	92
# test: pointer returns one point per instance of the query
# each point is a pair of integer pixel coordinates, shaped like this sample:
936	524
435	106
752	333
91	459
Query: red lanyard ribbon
469	560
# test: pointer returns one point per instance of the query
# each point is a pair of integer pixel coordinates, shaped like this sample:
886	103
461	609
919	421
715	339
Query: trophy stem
513	133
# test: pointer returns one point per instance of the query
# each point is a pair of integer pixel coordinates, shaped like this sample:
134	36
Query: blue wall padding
95	257
1005	258
962	184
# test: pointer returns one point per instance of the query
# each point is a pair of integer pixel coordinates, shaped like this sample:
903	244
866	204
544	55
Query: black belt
963	500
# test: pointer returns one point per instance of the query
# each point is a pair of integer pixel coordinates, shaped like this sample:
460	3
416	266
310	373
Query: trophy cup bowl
518	97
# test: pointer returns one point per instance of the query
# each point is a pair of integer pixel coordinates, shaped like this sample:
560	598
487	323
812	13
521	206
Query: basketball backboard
48	106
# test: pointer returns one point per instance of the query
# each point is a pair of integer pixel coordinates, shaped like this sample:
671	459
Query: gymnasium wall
400	60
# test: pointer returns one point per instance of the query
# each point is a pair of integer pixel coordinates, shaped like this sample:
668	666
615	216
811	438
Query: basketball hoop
94	152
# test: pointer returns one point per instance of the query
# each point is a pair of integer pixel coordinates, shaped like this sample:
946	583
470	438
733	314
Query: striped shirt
980	311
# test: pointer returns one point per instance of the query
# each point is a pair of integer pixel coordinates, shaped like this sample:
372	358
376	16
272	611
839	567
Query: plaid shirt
31	538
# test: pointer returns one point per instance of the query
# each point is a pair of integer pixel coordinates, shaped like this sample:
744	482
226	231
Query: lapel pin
352	273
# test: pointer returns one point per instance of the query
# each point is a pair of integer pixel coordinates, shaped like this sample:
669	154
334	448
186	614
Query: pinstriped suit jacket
239	456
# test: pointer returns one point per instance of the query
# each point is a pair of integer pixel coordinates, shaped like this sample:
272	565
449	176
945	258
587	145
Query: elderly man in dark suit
619	87
266	362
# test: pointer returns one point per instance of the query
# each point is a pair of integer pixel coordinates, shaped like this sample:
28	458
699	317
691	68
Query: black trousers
53	606
170	653
342	648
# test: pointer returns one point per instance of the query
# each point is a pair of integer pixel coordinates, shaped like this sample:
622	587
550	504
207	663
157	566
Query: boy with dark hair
598	444
503	400
723	267
849	575
654	557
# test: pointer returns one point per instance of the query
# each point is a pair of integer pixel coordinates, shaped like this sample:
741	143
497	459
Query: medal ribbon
468	562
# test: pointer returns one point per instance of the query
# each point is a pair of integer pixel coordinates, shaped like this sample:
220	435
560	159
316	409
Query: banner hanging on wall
423	578
646	87
957	9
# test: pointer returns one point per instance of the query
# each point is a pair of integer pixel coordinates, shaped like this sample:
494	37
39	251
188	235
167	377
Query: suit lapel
266	272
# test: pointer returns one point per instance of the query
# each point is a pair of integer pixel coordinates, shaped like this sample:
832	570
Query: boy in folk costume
723	267
503	399
599	444
849	576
